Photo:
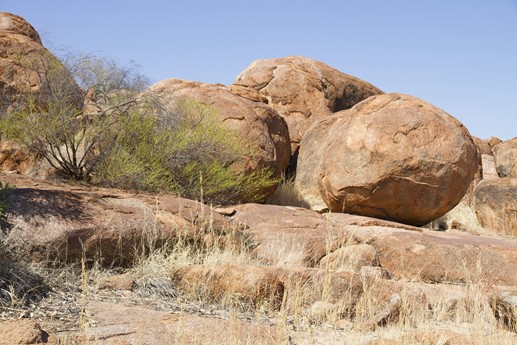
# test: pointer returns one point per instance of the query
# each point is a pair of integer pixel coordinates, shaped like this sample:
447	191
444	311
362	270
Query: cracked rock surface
391	156
506	158
303	90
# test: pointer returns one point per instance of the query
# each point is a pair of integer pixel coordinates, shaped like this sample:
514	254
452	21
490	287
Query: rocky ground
393	226
257	274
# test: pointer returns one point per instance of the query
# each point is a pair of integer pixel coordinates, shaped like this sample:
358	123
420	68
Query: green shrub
52	121
132	141
185	151
59	133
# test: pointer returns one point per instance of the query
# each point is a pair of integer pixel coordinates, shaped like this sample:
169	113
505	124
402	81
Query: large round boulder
304	90
505	156
241	111
17	25
394	157
24	66
312	147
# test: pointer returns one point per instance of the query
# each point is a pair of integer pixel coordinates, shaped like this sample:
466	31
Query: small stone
343	324
375	272
22	331
118	282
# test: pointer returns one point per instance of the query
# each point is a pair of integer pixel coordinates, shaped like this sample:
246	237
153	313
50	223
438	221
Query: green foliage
53	122
59	133
132	157
131	140
186	151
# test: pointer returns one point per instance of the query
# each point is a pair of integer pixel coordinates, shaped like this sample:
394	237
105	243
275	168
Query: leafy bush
53	123
130	140
59	133
184	150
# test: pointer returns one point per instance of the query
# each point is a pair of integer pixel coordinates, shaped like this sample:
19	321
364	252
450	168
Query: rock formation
23	61
52	221
391	156
183	272
505	156
259	126
303	90
495	205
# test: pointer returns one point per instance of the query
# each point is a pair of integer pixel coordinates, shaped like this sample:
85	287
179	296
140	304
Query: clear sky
460	55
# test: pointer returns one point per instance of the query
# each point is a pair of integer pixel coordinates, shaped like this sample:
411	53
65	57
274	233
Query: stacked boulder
351	147
303	90
358	150
495	197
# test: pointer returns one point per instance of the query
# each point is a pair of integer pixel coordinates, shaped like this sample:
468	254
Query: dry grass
312	309
286	194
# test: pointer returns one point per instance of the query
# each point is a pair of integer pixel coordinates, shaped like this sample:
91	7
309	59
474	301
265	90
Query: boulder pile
303	90
383	164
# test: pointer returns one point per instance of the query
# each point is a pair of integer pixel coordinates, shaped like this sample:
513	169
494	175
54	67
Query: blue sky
459	55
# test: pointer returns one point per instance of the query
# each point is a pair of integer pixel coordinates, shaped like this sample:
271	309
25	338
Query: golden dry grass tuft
336	303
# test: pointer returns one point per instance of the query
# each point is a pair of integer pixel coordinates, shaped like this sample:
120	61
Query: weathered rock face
493	141
16	81
303	90
309	158
483	146
47	221
394	157
506	158
15	159
22	331
15	24
495	205
489	169
295	237
257	124
22	57
118	324
291	236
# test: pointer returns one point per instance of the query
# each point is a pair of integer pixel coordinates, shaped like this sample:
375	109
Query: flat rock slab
117	324
49	221
292	236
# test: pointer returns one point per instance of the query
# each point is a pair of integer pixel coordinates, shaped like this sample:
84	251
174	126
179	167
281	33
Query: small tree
181	149
91	121
55	122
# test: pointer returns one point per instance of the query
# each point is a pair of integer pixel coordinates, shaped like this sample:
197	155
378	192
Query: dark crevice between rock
19	284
